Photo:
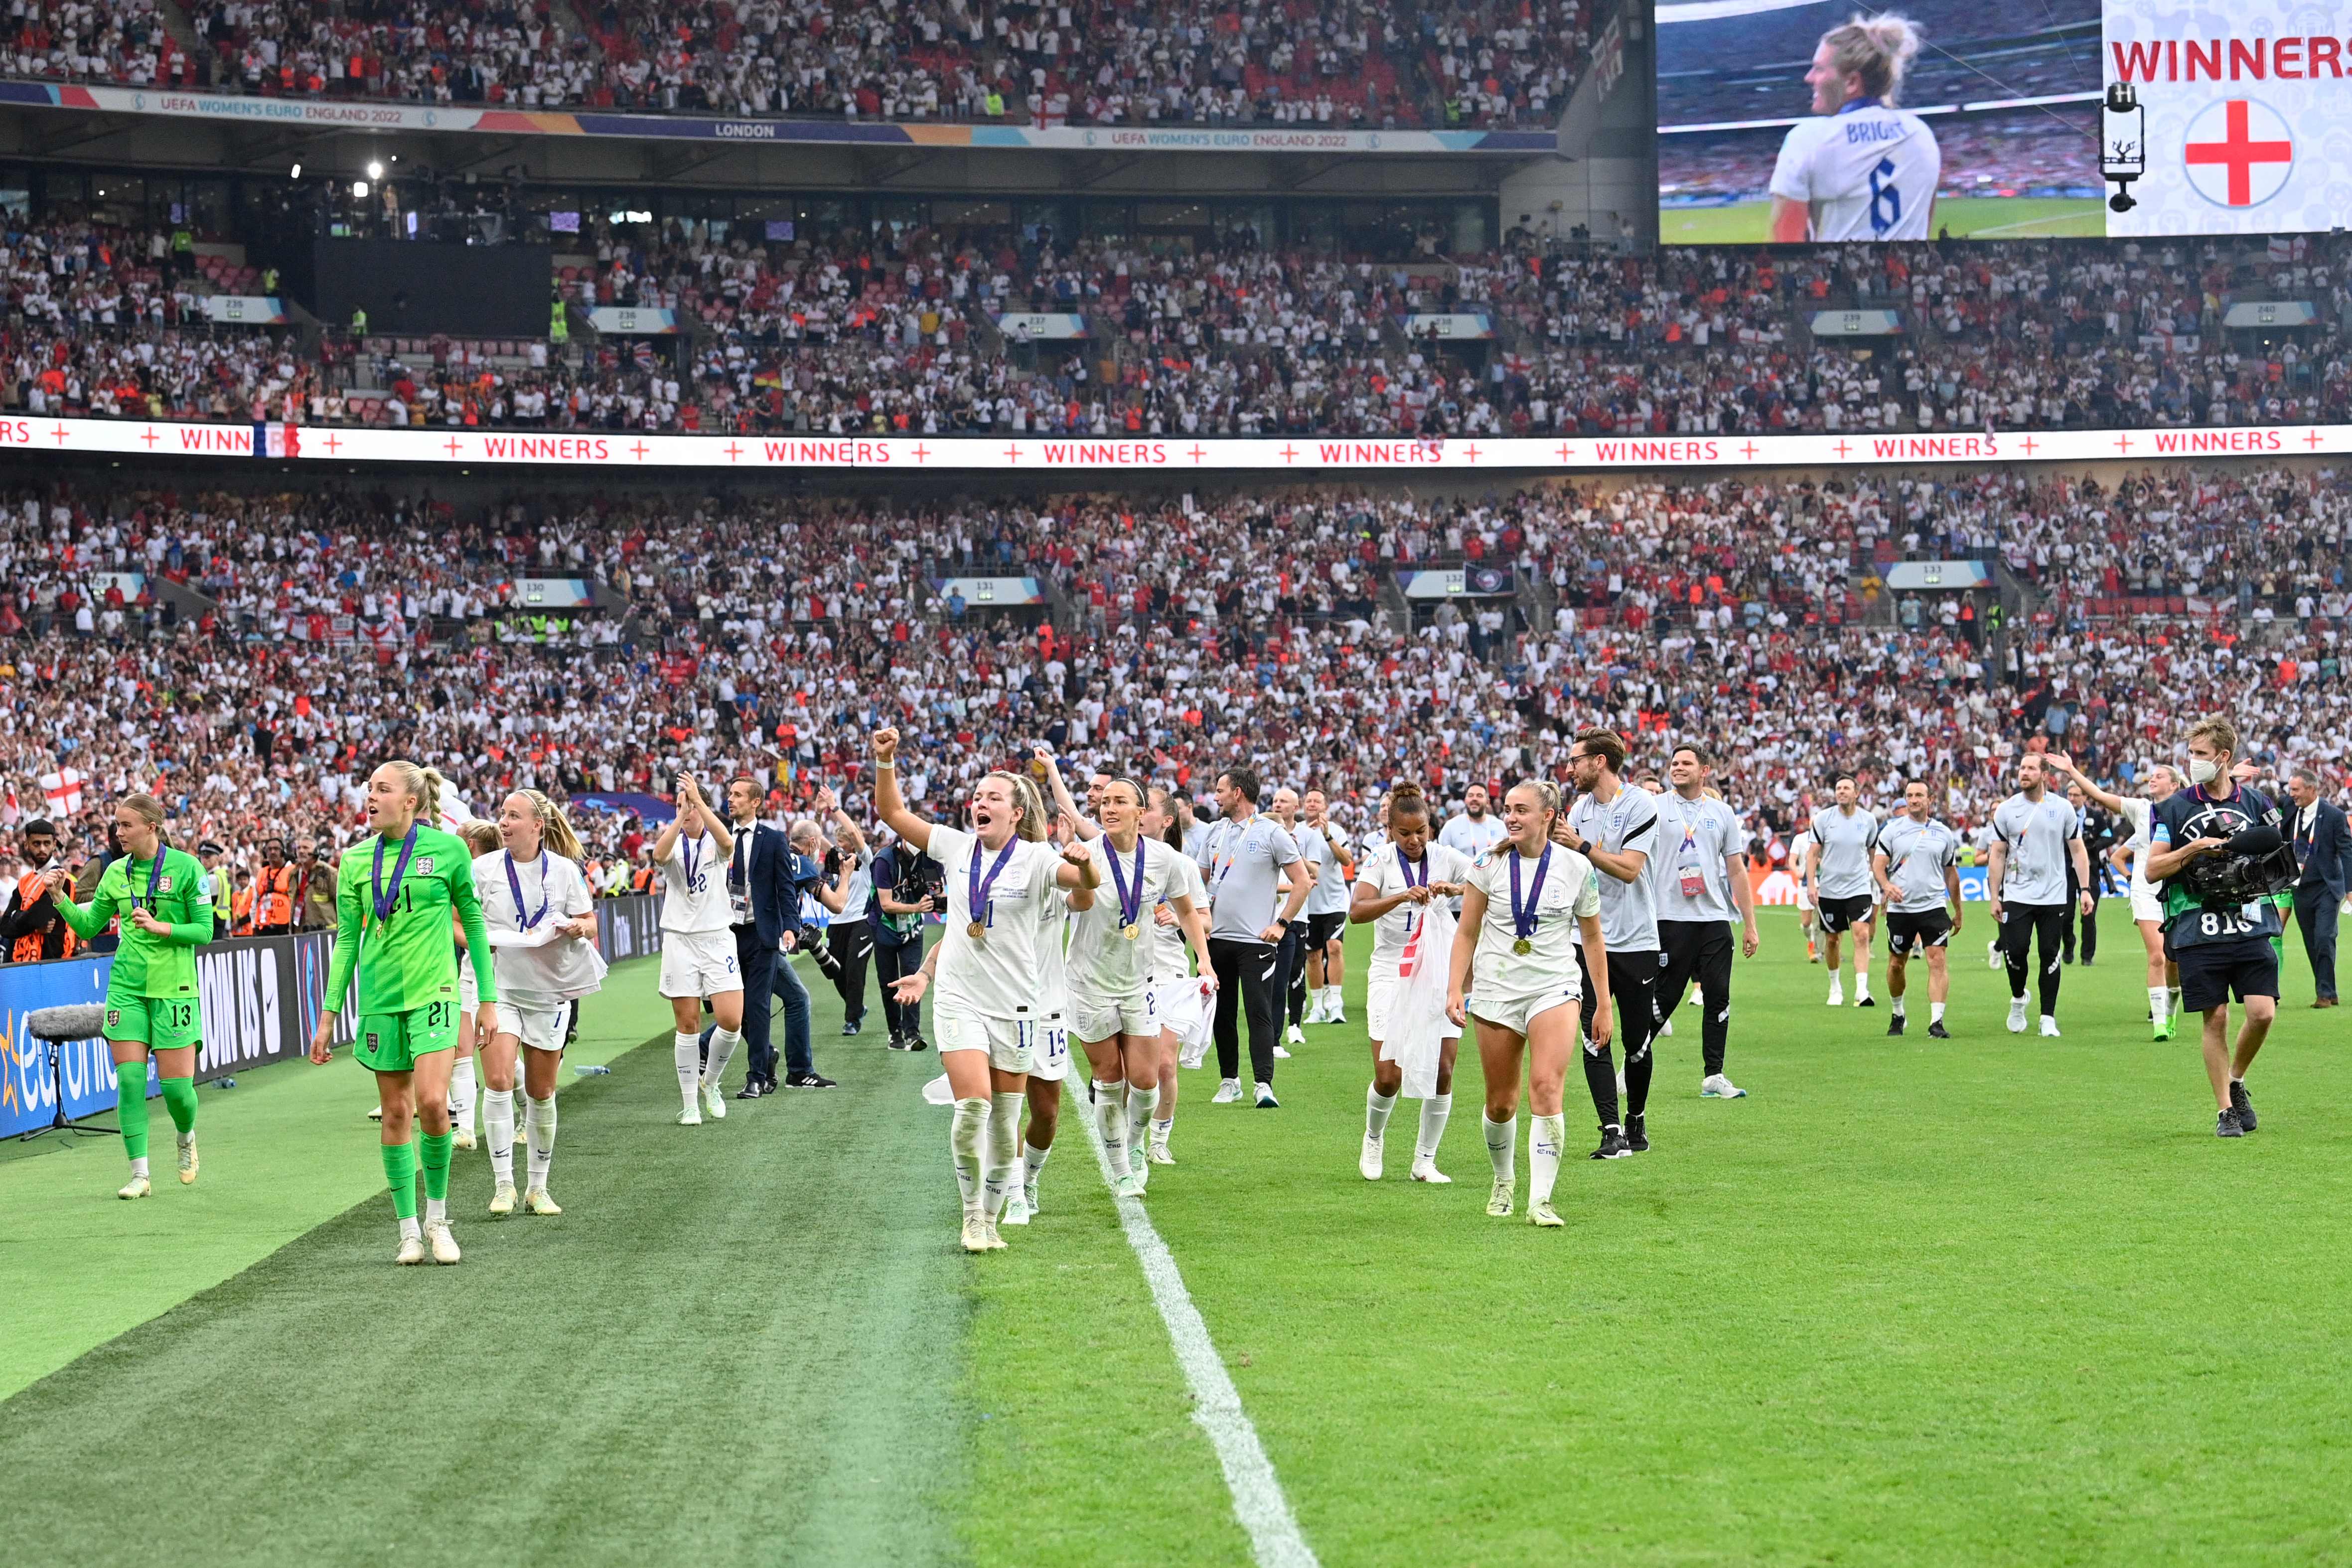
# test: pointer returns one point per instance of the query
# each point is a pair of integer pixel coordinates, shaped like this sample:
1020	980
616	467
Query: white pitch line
1259	1500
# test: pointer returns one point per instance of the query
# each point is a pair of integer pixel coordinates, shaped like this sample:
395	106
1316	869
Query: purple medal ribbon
1130	903
1523	921
514	885
383	900
1407	867
685	852
976	894
155	880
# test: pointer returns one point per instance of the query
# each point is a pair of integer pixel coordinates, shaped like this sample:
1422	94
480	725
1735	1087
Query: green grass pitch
1969	217
1996	1299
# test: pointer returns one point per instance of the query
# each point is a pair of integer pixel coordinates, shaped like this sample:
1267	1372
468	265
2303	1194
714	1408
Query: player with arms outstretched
394	893
152	1007
1861	168
697	960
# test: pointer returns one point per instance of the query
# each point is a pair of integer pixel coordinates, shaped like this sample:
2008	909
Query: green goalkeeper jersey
405	957
174	892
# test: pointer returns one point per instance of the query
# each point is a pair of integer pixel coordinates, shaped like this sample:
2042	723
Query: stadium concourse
903	333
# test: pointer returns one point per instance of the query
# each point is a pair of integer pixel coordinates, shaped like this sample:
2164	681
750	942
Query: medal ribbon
1407	868
1523	919
154	879
1131	901
383	900
976	895
514	885
685	852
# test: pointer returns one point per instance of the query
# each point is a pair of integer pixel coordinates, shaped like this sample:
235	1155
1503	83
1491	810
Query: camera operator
314	886
30	922
908	888
848	891
2215	848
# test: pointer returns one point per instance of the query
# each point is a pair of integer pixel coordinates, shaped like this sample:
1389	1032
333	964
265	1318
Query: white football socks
1377	1107
1502	1144
1434	1113
139	1167
1110	1120
1140	1103
539	1132
686	1050
436	1211
722	1052
2159	1003
498	1127
1545	1135
1935	1012
462	1085
1033	1160
964	1133
1897	1005
1003	1157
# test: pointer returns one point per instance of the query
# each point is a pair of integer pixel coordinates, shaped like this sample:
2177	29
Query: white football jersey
693	885
1873	170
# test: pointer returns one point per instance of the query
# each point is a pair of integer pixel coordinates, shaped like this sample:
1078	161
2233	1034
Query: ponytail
424	785
556	830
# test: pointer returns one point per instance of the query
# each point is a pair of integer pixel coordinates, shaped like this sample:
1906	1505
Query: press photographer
2217	850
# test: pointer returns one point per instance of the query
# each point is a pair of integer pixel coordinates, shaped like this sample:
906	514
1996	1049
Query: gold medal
975	931
1522	946
1130	932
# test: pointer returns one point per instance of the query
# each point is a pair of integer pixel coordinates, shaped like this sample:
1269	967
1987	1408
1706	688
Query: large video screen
1987	126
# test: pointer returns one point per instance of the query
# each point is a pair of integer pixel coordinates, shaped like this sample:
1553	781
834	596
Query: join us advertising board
1789	120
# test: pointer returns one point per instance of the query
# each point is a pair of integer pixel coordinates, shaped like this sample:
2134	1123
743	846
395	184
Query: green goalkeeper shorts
159	1023
390	1042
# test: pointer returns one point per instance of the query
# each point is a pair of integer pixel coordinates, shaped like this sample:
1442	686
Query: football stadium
917	719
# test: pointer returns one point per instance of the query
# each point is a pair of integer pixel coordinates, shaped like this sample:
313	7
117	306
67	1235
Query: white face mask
2204	770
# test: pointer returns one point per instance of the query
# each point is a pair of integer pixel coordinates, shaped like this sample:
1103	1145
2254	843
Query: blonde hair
1036	823
1546	793
480	837
1879	49
424	786
555	829
147	809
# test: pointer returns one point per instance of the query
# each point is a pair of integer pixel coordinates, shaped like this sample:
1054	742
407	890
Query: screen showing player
1788	120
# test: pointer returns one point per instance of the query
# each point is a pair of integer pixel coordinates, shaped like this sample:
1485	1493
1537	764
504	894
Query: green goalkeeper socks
434	1156
400	1174
180	1100
130	1106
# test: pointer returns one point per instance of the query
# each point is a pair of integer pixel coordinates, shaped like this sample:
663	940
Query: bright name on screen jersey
1385	872
1000	973
694	886
405	958
1103	962
1872	169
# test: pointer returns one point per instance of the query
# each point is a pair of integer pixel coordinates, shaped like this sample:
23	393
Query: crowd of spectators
250	653
1339	63
924	332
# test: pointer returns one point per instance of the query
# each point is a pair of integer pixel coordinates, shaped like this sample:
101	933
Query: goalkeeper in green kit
165	905
394	892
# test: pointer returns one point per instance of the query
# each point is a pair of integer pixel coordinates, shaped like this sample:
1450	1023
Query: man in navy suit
766	908
2323	844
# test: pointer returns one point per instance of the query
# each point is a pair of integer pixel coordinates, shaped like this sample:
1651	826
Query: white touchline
1259	1502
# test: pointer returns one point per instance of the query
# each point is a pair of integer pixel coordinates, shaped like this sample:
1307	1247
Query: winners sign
2248	116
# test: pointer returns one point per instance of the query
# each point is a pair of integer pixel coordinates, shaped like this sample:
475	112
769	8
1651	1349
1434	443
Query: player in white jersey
698	956
482	838
1179	997
543	926
1054	1031
2146	900
1514	954
1398	887
1915	862
1115	977
988	1009
1861	169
